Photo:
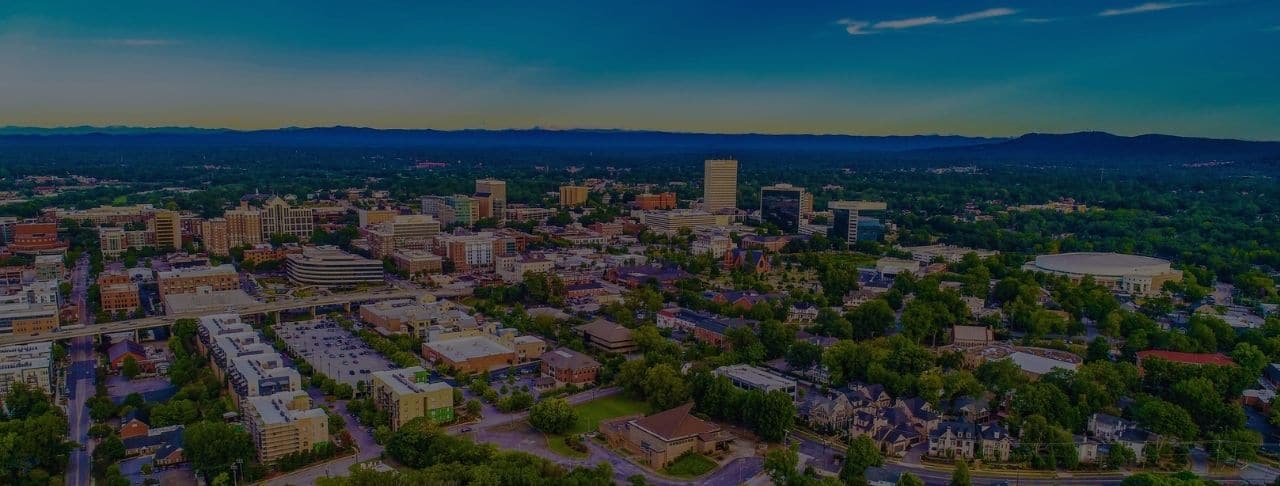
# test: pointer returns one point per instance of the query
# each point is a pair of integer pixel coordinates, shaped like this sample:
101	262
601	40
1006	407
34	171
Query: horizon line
599	129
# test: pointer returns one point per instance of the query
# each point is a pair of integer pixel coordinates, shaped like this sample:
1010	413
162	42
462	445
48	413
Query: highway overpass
262	308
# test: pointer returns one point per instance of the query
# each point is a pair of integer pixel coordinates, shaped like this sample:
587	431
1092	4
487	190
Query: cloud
1145	8
859	27
855	27
1274	28
982	14
908	23
1039	20
139	42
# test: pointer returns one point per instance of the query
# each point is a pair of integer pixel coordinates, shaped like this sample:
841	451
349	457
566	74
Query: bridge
261	308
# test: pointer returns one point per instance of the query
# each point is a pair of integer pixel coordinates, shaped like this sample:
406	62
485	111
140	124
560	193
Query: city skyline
978	68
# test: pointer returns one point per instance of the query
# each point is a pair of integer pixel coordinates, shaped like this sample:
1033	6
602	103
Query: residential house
1108	428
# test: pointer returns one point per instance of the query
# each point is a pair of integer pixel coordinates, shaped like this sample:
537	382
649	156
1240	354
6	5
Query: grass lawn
557	445
591	413
589	416
690	466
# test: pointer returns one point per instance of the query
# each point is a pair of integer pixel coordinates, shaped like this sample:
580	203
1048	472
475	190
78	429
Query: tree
130	368
862	454
781	464
554	416
108	452
1099	350
1235	445
213	447
870	319
664	387
803	355
1120	456
960	476
908	479
1165	418
775	415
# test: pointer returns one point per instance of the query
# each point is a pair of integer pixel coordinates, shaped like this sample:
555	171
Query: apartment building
30	364
573	196
244	226
190	280
214	234
118	293
167	226
284	423
409	393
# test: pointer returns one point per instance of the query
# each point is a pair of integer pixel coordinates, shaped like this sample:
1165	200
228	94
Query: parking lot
332	350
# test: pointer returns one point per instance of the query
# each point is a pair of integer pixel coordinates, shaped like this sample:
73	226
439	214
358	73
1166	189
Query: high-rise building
244	226
404	232
278	218
497	191
671	222
846	216
439	207
168	229
781	204
573	195
214	235
466	210
720	185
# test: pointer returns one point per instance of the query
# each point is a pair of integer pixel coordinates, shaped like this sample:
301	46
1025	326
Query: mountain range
1041	147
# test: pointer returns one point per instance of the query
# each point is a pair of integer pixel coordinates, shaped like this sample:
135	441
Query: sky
1196	68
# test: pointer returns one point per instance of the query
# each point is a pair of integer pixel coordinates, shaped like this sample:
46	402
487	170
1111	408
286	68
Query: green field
690	466
590	414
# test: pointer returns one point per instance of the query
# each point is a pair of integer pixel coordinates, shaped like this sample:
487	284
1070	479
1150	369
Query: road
260	308
80	380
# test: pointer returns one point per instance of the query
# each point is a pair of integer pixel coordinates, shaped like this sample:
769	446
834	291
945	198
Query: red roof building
1216	359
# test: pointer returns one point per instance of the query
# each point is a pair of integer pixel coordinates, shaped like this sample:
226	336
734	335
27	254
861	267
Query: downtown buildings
720	185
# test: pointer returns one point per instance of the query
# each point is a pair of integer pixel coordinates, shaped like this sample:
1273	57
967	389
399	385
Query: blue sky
1209	68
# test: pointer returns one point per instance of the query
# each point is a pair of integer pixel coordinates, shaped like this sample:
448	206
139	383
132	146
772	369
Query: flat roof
467	348
274	408
756	376
404	381
1102	264
224	269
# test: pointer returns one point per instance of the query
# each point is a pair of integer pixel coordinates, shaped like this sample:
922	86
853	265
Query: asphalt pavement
80	381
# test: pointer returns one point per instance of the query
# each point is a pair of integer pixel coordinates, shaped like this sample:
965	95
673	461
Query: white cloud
857	27
1039	20
139	42
1145	8
908	23
982	14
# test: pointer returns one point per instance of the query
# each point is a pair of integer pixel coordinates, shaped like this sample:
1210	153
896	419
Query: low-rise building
567	366
704	327
661	438
607	336
971	335
284	423
747	377
417	263
475	354
117	293
409	393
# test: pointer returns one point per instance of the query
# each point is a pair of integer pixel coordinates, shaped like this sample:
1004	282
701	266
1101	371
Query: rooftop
463	349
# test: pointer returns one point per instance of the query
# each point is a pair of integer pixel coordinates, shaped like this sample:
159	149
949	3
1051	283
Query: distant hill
575	139
1035	148
1101	146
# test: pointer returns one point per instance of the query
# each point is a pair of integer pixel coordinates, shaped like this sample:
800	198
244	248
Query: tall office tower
168	228
720	185
278	218
806	204
573	195
244	226
497	191
466	210
782	205
213	234
846	216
